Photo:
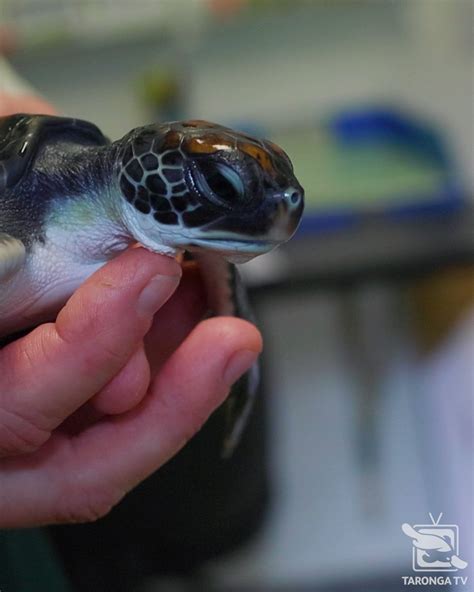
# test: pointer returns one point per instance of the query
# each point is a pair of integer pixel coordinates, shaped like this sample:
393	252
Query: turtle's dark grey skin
70	200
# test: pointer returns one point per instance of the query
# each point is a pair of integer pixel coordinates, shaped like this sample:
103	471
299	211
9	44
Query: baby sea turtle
70	200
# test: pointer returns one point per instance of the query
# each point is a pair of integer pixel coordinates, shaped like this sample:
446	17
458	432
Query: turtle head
194	185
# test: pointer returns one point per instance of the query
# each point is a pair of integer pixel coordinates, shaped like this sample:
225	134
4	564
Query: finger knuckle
86	504
112	351
176	405
19	435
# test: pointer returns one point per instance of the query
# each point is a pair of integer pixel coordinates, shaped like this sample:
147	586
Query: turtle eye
219	182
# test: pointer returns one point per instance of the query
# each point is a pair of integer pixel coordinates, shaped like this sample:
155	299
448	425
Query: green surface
363	176
28	563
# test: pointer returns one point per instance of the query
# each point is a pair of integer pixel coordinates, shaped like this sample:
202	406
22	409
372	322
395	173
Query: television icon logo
435	546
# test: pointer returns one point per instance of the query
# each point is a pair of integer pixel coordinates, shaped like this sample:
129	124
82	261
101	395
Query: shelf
372	250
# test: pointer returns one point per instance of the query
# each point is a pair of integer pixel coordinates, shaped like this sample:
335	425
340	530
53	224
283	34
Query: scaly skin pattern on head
204	182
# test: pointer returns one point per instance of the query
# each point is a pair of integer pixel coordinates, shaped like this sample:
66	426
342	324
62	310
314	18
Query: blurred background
368	314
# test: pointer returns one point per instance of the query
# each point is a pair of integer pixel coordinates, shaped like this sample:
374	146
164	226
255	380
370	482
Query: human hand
92	404
15	94
23	104
82	418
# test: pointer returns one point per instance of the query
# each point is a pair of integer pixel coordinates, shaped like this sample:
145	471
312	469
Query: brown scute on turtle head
220	138
259	154
171	140
207	144
198	137
279	151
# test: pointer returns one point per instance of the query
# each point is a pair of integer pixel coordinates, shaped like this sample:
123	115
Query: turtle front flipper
240	401
12	256
227	296
22	135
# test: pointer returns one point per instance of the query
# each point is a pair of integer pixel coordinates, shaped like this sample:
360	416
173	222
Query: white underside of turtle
53	268
70	253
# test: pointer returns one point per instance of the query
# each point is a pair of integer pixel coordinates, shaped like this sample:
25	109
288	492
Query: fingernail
156	293
238	364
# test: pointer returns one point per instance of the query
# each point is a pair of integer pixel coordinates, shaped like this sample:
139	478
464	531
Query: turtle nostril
295	197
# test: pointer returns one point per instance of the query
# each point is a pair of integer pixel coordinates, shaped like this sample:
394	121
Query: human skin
94	402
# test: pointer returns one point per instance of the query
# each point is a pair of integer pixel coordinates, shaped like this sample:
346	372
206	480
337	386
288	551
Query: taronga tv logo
435	548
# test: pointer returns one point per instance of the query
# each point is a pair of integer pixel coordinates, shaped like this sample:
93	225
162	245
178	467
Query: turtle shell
22	135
